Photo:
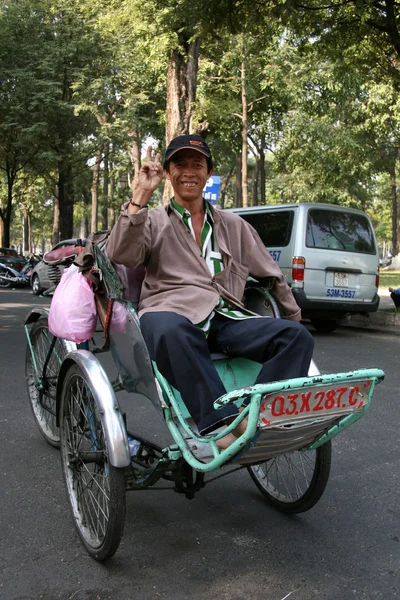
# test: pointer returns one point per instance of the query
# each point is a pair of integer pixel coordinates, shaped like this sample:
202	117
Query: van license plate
341	280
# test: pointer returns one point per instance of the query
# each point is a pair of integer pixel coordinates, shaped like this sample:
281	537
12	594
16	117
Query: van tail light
377	278
298	264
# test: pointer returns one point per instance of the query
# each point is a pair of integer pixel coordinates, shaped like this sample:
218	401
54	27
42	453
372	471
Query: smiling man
197	260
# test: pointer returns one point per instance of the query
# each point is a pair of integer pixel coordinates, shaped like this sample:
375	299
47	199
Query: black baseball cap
191	141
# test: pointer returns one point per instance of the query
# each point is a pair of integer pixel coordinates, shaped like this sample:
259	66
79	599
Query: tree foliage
298	99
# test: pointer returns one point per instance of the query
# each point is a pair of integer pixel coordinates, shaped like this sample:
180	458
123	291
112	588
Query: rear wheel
294	482
96	489
257	302
41	380
324	325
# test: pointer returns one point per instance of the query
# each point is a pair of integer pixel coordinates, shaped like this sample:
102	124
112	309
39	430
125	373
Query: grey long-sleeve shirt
177	278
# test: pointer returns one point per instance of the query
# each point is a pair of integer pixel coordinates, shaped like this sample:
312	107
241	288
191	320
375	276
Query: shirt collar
183	212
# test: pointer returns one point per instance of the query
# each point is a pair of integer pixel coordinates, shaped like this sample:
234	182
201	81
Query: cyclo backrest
66	253
129	282
119	289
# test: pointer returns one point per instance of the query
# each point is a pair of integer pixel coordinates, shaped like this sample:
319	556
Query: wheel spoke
42	382
294	481
96	489
85	462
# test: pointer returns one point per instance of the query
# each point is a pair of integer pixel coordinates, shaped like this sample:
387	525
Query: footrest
283	417
309	398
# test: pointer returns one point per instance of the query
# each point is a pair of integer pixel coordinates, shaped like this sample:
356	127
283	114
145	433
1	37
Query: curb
385	321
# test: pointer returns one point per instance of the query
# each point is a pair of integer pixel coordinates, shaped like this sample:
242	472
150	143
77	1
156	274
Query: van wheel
324	325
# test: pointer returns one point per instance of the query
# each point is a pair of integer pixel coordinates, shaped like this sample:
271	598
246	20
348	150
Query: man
197	261
395	296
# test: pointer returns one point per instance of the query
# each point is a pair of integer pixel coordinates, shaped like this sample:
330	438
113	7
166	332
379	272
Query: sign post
211	189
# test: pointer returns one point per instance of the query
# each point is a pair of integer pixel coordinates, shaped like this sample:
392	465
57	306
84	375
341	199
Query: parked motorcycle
9	277
32	261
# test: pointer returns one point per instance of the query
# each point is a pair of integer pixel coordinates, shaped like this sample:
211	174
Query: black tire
96	489
36	287
324	325
42	386
294	482
4	284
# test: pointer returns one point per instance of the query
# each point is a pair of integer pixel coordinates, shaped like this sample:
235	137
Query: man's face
188	174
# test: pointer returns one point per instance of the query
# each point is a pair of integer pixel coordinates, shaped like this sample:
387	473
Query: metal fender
35	314
106	401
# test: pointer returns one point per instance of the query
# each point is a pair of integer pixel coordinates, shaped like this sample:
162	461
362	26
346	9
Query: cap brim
205	153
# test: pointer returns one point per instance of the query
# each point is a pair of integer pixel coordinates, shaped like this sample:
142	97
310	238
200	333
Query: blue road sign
211	189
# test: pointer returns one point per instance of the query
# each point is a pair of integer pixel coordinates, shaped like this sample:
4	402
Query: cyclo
286	446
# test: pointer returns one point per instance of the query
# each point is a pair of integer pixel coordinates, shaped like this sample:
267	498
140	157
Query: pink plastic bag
73	314
119	318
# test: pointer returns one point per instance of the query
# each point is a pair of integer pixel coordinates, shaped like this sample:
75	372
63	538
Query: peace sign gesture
151	172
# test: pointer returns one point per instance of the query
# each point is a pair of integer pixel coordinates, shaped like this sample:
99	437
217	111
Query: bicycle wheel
96	489
294	482
42	380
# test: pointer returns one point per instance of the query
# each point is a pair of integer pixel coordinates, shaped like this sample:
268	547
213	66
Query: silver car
45	277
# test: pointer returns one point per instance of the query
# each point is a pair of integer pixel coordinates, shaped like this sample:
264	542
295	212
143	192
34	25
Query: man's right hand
151	172
150	176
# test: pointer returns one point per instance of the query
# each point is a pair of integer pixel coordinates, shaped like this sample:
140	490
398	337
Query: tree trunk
262	171
84	228
394	211
104	208
181	92
6	215
238	181
67	208
112	201
254	191
26	241
95	192
224	188
63	223
136	158
55	234
30	239
245	201
7	218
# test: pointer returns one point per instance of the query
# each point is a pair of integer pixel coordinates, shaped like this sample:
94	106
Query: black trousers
396	299
182	353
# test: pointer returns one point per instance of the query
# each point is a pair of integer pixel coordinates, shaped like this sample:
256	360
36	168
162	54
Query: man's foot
228	440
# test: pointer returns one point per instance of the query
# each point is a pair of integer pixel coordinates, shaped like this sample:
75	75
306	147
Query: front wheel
36	287
294	482
5	280
96	489
42	365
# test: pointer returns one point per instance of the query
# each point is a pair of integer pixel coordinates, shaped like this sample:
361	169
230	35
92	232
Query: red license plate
313	403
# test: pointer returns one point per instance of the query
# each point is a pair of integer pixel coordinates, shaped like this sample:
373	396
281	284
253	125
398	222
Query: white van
328	254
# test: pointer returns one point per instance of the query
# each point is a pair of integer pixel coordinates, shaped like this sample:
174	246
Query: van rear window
274	228
334	230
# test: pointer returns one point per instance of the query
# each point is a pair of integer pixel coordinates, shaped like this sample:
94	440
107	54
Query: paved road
226	544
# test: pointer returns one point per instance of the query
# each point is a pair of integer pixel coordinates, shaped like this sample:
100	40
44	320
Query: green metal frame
237	375
175	408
